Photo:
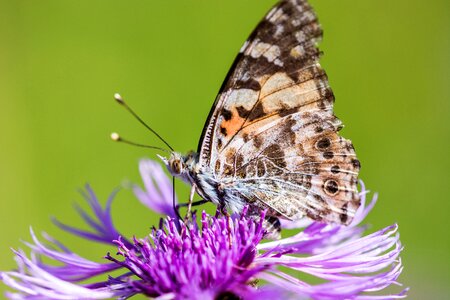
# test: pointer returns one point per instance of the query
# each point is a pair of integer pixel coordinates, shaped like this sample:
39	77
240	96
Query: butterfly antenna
120	100
117	138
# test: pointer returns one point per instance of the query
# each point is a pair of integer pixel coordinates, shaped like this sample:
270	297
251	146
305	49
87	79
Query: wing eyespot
323	144
331	187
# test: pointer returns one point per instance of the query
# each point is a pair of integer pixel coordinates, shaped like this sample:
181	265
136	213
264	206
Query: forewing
272	135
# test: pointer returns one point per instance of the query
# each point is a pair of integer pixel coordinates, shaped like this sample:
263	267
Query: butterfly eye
176	167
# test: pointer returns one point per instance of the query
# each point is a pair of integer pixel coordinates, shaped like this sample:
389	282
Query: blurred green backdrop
61	61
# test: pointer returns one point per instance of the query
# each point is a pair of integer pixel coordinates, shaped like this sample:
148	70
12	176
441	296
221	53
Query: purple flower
219	257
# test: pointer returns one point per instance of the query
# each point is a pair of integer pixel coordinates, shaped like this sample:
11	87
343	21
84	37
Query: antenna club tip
115	136
119	98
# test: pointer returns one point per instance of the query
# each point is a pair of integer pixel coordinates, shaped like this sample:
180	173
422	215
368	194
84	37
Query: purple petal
37	283
75	268
351	268
103	227
158	193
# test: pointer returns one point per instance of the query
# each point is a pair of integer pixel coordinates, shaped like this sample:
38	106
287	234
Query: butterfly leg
195	203
189	204
224	212
272	227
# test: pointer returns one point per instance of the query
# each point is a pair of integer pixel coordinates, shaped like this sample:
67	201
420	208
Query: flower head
219	257
212	259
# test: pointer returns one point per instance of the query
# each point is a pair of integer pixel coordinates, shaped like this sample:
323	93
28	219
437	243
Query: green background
61	62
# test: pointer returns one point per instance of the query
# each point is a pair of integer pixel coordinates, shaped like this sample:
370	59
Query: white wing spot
278	62
297	51
271	52
242	97
279	30
296	22
300	36
274	15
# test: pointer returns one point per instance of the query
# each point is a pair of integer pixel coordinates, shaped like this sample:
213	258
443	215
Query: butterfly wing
272	136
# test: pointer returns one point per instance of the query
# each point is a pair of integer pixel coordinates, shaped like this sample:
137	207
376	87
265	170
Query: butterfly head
181	165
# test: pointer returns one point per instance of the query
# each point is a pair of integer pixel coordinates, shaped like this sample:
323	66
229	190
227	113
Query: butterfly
271	138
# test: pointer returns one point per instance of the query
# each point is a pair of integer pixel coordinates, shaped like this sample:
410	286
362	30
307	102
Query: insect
271	139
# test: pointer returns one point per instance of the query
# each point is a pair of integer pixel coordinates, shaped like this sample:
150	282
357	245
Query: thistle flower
219	258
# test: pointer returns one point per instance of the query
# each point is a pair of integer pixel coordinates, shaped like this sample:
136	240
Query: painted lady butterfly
271	139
